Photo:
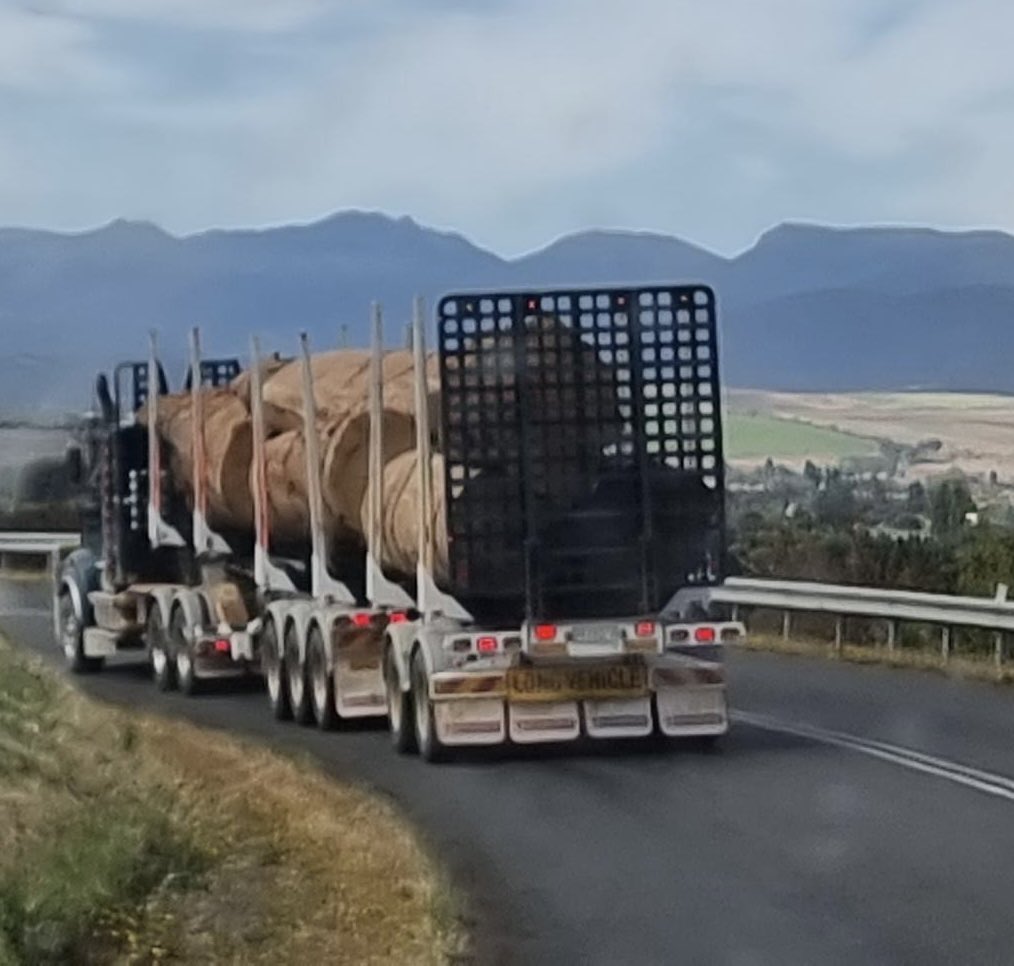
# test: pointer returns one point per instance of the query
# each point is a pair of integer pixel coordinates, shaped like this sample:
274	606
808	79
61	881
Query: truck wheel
162	665
431	747
273	666
295	680
321	682
183	649
399	708
72	637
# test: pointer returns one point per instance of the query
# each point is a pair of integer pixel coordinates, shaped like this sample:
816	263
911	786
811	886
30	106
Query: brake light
486	645
644	629
545	632
398	617
361	619
222	646
704	635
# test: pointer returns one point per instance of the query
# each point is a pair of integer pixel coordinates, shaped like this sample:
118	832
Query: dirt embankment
133	839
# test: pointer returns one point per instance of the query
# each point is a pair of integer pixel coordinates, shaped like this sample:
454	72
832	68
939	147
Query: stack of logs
569	383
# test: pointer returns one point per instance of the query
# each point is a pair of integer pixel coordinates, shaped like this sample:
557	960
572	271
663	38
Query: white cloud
42	52
252	15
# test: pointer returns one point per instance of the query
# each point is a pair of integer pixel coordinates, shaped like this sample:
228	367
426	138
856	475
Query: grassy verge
978	667
133	839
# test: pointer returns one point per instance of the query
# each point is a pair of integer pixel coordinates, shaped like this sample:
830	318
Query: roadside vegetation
823	525
130	839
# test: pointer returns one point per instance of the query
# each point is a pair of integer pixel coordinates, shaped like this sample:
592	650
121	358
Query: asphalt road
799	842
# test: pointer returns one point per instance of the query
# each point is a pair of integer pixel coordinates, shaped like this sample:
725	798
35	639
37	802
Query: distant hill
807	307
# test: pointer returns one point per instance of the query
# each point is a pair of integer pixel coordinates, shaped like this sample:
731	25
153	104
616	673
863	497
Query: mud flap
628	718
544	721
478	721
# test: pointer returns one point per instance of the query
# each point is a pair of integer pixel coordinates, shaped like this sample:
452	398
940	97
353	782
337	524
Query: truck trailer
570	521
584	490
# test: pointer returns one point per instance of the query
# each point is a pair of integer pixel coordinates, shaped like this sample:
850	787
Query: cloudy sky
513	121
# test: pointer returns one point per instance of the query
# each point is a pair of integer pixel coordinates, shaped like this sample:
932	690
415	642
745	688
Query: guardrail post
892	636
839	633
998	649
945	644
786	624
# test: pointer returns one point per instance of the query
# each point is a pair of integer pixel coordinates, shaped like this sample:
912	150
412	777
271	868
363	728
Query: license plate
577	683
596	634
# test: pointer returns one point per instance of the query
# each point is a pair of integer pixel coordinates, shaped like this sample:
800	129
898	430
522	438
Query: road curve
786	847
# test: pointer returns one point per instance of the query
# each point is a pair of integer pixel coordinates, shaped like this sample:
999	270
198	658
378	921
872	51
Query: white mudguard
544	721
355	659
690	711
473	721
618	719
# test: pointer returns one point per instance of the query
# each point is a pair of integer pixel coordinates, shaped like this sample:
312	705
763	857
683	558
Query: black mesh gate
582	442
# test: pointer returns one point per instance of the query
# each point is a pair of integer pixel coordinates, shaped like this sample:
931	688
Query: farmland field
973	433
756	436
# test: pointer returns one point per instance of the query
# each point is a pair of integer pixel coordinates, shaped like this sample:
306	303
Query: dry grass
134	839
967	666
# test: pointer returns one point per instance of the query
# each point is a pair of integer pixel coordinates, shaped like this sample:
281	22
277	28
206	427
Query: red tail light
361	619
222	646
398	617
704	635
486	645
545	632
644	629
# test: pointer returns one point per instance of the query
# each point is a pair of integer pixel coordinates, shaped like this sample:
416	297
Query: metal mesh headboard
575	424
214	372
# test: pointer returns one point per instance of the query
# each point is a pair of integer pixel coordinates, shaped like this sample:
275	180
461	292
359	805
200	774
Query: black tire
163	661
183	652
431	748
295	680
321	682
273	666
72	637
399	708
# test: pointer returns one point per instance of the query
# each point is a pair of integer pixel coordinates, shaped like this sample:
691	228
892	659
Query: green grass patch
90	837
757	436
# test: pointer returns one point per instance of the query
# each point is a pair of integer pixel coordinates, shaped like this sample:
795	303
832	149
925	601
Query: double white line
981	781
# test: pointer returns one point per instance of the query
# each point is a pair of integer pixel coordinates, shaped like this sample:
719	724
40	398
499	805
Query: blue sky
513	121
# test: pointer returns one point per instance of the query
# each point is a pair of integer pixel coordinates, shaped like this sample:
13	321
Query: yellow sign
590	683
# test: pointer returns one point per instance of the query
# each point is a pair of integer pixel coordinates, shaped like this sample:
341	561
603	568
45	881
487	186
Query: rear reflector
222	646
704	635
644	629
486	645
361	619
545	632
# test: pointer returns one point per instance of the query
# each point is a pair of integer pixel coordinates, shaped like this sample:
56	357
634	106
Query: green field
756	436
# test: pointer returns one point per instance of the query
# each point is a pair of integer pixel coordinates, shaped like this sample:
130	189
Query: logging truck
567	521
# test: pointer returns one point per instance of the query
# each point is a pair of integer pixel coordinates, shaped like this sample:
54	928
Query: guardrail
893	606
15	543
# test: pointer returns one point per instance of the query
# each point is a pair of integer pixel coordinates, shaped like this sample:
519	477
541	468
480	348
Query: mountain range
806	308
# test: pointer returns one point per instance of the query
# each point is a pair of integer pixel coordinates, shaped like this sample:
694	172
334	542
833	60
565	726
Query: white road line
999	786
